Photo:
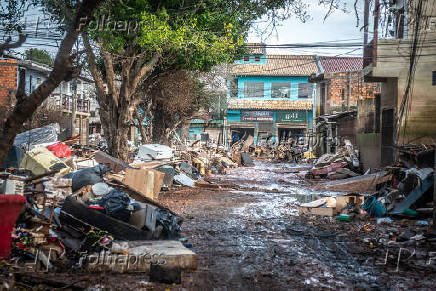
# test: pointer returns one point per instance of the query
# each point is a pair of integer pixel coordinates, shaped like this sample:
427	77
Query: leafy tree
140	40
40	56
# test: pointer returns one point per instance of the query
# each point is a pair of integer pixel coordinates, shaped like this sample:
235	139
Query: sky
338	26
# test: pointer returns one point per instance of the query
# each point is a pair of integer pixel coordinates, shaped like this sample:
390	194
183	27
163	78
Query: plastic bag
60	150
88	176
29	139
373	207
116	204
170	223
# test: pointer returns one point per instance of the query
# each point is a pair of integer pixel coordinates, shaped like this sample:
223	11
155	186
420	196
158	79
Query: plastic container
410	212
345	217
10	208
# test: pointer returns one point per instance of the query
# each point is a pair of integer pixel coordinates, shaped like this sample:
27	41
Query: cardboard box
323	211
148	182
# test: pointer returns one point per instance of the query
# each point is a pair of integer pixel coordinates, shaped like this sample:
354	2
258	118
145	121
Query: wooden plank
316	203
323	211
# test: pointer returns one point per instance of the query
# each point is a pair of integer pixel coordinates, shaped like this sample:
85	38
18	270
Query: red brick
8	79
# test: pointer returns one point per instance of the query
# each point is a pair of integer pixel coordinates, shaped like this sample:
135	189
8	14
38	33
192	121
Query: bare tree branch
8	45
93	65
110	76
138	75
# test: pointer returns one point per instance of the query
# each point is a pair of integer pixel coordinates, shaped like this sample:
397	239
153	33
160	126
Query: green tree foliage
194	35
40	56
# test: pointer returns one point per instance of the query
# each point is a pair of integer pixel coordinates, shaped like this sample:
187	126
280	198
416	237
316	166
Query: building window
233	88
253	90
433	79
246	58
38	81
280	90
305	90
257	58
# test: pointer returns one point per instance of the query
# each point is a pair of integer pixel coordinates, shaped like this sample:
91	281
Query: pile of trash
284	152
343	164
64	202
399	202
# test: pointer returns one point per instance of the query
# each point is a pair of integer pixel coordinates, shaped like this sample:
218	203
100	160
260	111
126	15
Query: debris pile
343	164
64	204
395	212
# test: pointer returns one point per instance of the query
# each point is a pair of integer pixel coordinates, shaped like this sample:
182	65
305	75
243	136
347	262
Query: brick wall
342	84
8	80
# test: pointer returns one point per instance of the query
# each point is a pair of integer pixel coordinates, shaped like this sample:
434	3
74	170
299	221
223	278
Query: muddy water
253	238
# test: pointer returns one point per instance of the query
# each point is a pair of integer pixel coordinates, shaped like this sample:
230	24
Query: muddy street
254	238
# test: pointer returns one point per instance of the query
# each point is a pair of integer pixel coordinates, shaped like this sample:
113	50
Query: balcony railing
66	103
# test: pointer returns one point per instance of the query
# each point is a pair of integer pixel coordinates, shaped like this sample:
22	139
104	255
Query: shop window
280	90
254	90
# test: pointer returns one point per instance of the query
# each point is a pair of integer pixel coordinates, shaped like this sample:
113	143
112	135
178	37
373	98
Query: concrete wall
393	60
213	132
369	148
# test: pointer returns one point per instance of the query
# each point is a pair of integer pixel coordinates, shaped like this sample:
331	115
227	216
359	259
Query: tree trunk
116	127
184	134
160	122
63	70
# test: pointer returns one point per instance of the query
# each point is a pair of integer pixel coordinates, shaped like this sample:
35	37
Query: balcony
65	103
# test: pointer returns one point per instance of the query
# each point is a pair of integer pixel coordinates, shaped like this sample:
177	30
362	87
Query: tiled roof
256	48
279	65
270	104
341	64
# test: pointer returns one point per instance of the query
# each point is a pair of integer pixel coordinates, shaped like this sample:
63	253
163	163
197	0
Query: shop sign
256	116
294	116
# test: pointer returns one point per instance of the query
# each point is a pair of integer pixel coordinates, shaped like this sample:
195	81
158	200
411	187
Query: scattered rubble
66	204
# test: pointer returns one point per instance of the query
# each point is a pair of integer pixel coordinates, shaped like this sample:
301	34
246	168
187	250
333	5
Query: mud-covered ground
252	238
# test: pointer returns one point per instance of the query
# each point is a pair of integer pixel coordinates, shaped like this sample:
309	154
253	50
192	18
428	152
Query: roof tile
279	65
341	64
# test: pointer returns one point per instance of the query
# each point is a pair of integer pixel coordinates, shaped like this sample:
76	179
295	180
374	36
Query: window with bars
254	90
305	90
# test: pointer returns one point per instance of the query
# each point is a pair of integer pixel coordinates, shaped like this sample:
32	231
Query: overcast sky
338	26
